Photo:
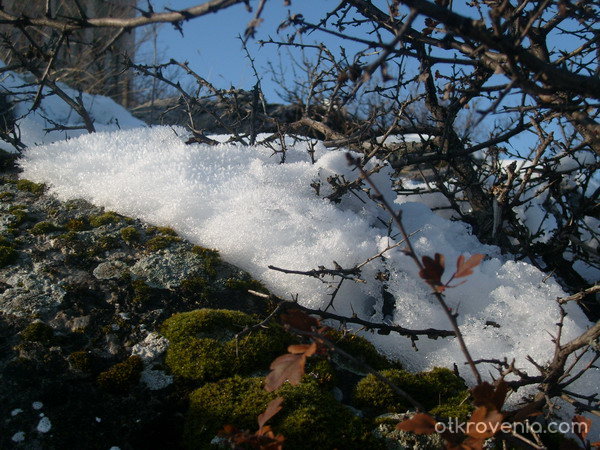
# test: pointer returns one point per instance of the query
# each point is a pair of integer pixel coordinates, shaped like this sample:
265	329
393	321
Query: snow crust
31	125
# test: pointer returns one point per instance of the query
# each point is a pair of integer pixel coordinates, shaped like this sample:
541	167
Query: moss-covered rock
203	345
141	291
439	388
310	416
244	285
130	234
45	228
30	186
109	217
78	224
103	244
20	215
361	349
8	255
121	377
161	242
167	231
38	332
81	361
210	259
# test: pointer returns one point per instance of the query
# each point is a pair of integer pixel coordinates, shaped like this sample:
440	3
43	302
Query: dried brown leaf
273	408
490	396
423	77
288	367
418	424
433	269
583	427
484	423
298	319
465	268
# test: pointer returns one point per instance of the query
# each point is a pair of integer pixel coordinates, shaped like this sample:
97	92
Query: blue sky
211	46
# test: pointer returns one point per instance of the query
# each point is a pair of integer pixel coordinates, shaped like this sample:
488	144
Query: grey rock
109	270
31	295
167	269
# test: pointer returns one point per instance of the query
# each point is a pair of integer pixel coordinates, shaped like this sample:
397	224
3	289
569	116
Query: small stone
156	379
44	425
16	412
151	348
79	323
109	270
19	436
37	405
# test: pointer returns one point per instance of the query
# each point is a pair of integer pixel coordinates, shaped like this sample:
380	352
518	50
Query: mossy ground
109	217
310	418
8	254
31	187
438	390
38	332
122	376
203	345
45	228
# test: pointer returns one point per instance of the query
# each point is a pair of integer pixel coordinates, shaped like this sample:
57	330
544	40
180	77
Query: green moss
321	371
106	218
240	285
310	416
210	259
458	407
6	196
69	237
130	234
220	324
432	389
196	288
203	345
45	228
141	291
361	349
81	361
199	359
21	216
167	231
77	225
30	186
38	332
103	244
8	256
161	242
121	377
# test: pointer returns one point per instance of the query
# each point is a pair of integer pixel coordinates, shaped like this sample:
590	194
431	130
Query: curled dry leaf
298	319
583	426
418	424
273	408
490	396
289	367
484	423
433	269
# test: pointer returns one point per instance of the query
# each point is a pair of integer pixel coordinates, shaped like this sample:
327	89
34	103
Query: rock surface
81	290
